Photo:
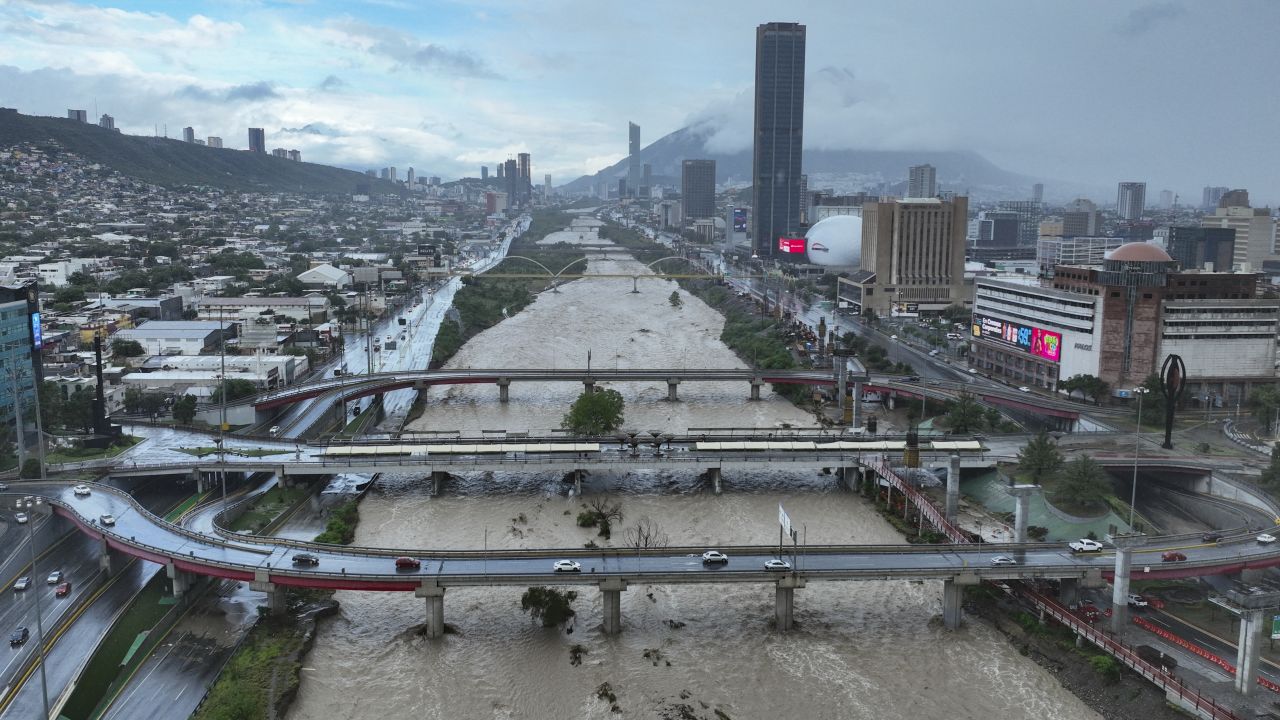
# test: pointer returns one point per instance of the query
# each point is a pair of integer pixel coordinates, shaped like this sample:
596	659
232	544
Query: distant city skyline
448	86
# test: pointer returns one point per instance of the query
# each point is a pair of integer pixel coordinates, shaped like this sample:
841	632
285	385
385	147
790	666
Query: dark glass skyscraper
698	188
779	128
257	140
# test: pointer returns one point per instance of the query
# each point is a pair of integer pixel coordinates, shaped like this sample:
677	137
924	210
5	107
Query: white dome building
835	241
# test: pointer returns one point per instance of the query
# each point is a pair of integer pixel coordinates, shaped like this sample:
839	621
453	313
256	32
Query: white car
568	566
275	430
1266	539
107	520
1003	560
714	556
776	564
81	490
54	578
22	583
21	518
1085	545
1024	388
1137	601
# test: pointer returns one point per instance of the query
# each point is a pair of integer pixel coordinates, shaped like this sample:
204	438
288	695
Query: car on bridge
1084	545
1137	601
81	490
21	518
1212	537
22	583
107	520
408	563
714	557
567	566
54	578
1173	556
1266	538
776	564
63	589
306	559
19	637
1000	560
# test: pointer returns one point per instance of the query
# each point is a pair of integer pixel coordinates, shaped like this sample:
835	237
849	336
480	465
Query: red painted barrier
1184	644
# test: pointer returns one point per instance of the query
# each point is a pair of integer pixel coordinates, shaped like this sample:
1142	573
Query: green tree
1271	473
675	299
133	400
236	389
77	411
1264	401
1082	483
1040	459
595	413
548	605
1152	402
184	409
126	348
1090	386
965	415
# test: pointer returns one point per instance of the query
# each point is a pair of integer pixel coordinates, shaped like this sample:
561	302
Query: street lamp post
1137	442
31	505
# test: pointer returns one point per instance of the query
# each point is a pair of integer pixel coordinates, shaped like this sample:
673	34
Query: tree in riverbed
595	413
645	534
548	605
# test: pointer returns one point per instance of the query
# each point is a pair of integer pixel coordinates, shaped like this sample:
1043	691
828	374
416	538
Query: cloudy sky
1180	93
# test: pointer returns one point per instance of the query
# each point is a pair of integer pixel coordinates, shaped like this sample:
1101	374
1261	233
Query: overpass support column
588	386
612	592
277	600
198	478
1022	496
1068	591
953	488
181	580
110	561
1120	589
784	599
755	389
953	601
434	595
1249	651
672	384
504	390
437	481
715	476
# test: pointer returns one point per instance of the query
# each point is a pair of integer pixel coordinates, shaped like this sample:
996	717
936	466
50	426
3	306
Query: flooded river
860	650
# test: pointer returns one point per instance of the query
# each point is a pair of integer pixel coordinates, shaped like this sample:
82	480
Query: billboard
1039	342
791	245
740	220
37	339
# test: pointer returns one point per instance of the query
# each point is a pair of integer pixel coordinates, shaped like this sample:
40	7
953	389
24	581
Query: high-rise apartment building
646	180
106	121
1255	234
280	153
257	140
524	166
295	155
779	134
484	172
214	141
633	156
188	134
1080	218
409	177
1166	199
1131	200
511	178
1211	196
698	188
922	181
1037	192
913	254
78	115
546	187
502	167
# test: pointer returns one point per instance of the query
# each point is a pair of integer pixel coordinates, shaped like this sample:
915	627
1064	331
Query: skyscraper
922	181
484	172
546	187
511	176
257	140
1131	200
633	160
646	179
1211	196
188	134
78	115
409	178
501	169
525	185
698	188
1037	192
778	135
1080	218
106	121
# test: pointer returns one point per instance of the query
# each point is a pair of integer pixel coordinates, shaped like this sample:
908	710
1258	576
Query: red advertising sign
791	245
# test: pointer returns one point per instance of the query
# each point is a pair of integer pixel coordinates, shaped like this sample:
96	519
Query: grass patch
70	455
267	507
341	528
268	660
185	505
104	674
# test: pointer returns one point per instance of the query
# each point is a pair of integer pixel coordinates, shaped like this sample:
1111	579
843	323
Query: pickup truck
1084	545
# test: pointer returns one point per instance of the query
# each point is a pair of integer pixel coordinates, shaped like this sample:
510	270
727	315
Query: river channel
860	650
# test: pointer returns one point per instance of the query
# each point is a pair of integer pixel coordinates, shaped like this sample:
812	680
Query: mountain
843	170
170	162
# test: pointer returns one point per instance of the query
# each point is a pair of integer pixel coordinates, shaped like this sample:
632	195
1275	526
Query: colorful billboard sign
791	245
1039	342
37	338
740	220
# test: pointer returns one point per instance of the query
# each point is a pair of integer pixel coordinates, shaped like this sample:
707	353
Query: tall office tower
501	168
511	176
622	187
106	121
912	256
1255	229
526	177
1029	214
805	199
1081	218
78	115
188	134
997	228
484	172
1211	196
698	188
257	140
20	353
646	180
1037	192
384	174
295	155
214	141
922	181
1131	200
633	156
778	136
1166	199
409	178
395	176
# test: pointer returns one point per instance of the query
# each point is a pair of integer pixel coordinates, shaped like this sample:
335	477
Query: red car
1172	556
63	589
408	563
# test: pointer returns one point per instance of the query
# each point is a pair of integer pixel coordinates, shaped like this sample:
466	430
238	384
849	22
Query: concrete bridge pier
437	481
785	599
110	561
1120	589
588	386
198	478
715	476
953	488
434	595
672	384
755	389
953	601
1249	651
504	390
181	580
277	600
1022	496
612	589
1068	591
577	482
